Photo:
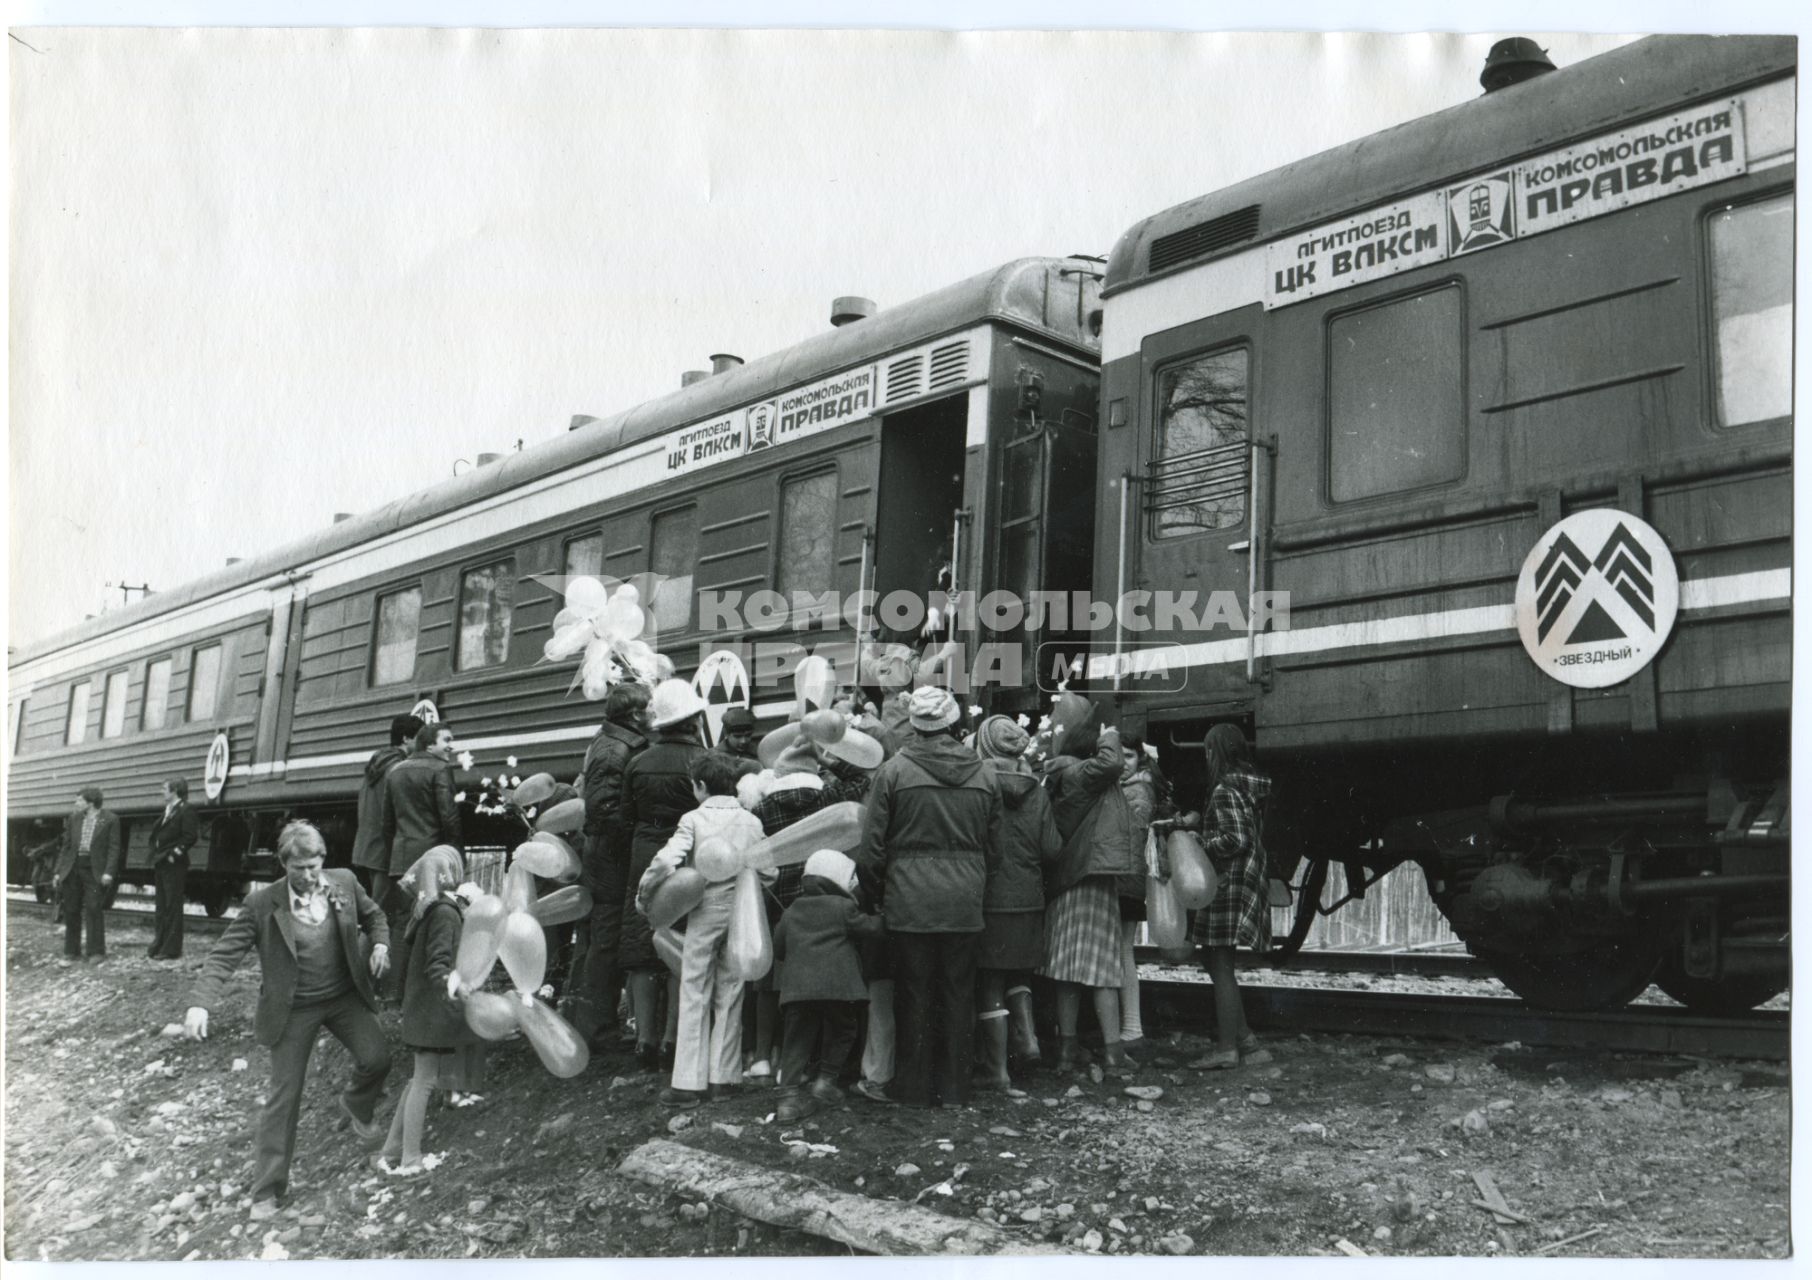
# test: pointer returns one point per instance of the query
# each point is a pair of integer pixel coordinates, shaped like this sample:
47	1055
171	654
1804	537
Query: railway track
1761	1035
26	904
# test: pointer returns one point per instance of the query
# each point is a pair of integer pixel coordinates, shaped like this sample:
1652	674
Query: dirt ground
122	1144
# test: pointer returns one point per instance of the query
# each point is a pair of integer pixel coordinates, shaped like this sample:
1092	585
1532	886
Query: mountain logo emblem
1596	598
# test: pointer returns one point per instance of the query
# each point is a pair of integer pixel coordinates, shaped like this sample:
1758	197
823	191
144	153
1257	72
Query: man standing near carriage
370	851
175	833
90	863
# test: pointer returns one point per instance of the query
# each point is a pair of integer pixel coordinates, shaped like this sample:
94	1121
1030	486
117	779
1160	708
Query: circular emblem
220	758
1596	598
426	711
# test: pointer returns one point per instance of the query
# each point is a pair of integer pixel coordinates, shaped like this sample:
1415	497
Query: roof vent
691	376
340	517
1513	61
233	560
486	459
580	420
722	363
851	309
1203	238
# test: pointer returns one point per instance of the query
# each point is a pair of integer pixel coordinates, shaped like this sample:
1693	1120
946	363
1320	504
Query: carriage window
75	729
1396	418
157	693
204	682
585	556
1200	468
672	556
399	620
485	595
1752	306
113	709
808	532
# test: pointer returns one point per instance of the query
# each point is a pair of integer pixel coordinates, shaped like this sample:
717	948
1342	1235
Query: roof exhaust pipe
723	363
691	376
1513	61
850	309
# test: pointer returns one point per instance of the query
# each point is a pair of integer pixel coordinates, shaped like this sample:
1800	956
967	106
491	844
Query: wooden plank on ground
805	1204
1494	1200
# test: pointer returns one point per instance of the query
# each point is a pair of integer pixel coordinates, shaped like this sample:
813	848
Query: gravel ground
122	1144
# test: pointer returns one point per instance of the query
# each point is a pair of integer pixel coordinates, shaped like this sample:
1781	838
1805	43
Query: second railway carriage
1500	401
954	429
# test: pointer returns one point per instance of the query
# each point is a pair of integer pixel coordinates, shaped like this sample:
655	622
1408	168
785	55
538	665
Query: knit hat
672	702
931	709
891	668
1001	738
738	718
836	867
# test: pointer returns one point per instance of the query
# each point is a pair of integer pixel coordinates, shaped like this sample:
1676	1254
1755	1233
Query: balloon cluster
748	946
606	627
509	927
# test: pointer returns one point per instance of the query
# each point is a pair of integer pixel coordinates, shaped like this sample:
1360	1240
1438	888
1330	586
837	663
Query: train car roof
1647	77
1016	293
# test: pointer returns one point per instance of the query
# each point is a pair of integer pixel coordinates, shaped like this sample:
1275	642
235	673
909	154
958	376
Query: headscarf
439	870
1001	738
1225	746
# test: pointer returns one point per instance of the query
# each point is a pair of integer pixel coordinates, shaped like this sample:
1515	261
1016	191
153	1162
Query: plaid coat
783	806
1240	914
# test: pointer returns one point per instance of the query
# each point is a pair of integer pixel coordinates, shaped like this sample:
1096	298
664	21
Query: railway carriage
845	463
1500	402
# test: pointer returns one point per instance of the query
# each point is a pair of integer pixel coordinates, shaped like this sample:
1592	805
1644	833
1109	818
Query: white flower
1024	721
974	710
515	778
510	762
465	759
459	797
484	782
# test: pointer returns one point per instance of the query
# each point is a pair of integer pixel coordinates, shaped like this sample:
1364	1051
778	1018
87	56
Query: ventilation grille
1205	237
928	371
949	365
906	377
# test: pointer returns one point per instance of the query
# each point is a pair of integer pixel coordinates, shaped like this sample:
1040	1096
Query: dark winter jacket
933	813
657	791
605	760
418	810
815	944
1028	843
1091	816
368	847
430	946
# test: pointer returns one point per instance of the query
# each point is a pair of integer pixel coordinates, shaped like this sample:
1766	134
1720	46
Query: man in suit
418	810
369	852
92	856
171	839
305	928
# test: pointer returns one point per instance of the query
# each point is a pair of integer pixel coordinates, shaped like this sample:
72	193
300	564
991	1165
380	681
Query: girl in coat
1082	922
1240	915
434	1026
1013	902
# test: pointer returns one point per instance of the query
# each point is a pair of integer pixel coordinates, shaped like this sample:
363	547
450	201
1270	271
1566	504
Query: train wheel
1308	899
1718	996
1607	976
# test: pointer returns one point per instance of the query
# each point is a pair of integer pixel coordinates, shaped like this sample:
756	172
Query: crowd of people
995	858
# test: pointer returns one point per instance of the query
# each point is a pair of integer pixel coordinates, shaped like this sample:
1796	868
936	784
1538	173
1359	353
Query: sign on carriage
1655	159
214	772
823	405
699	446
1596	598
831	402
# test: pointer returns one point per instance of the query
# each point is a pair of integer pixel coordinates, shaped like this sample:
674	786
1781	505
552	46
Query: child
821	986
433	1025
708	1044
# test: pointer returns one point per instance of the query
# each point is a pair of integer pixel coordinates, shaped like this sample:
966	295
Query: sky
262	276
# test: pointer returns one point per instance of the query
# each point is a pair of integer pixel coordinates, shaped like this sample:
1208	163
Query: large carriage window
1396	417
1200	469
157	693
585	556
75	729
113	709
485	595
808	535
399	620
672	557
204	682
1752	304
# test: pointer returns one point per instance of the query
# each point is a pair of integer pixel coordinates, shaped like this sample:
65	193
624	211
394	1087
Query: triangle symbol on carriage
1595	624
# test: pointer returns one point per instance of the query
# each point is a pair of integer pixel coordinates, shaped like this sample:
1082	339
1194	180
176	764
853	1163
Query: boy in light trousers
707	1057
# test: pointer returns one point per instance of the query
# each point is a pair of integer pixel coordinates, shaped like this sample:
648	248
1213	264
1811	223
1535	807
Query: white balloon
585	594
627	592
623	618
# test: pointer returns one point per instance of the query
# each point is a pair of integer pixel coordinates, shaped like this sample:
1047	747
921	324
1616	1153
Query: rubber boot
1069	1054
991	1054
1025	1035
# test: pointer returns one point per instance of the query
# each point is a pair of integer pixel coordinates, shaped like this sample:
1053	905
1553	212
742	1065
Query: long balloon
524	951
519	892
534	789
491	1015
548	857
559	1047
675	896
1191	873
717	859
563	818
670	947
838	827
479	940
748	946
563	906
1169	925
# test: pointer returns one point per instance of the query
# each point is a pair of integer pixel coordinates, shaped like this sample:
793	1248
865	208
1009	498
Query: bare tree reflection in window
1200	473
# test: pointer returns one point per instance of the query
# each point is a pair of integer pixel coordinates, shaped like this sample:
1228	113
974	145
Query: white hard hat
672	702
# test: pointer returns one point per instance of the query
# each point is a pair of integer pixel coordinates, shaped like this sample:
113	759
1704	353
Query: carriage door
1047	519
1188	514
918	499
277	696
